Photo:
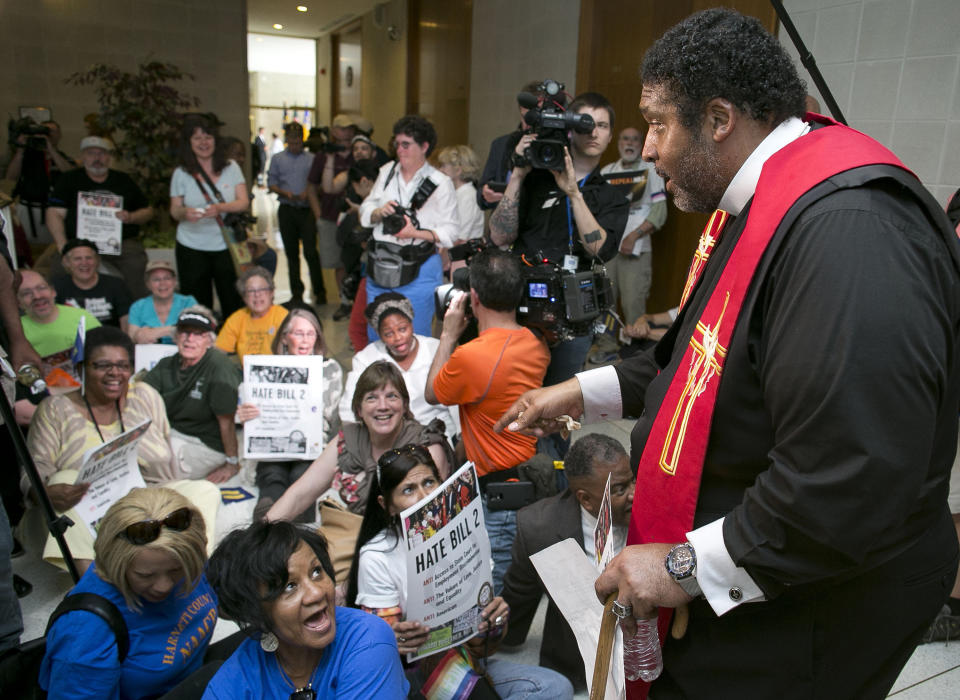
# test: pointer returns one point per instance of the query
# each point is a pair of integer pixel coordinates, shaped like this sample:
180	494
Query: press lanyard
570	216
94	418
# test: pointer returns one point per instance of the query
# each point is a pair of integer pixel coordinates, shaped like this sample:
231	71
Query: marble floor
933	672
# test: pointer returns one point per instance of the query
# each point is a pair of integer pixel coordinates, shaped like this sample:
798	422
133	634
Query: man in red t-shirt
483	377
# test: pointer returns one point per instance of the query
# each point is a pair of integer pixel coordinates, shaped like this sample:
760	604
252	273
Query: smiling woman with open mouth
276	581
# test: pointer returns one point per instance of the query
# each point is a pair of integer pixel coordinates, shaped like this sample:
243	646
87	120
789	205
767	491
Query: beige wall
513	43
42	43
324	80
385	70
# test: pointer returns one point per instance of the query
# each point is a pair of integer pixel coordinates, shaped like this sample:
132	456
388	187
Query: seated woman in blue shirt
150	555
275	580
153	319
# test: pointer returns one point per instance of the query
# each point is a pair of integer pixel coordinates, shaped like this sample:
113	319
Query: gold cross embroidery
705	362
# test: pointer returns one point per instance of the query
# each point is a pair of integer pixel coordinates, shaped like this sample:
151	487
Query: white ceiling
321	16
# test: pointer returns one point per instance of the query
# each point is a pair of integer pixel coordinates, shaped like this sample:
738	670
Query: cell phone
497	186
510	495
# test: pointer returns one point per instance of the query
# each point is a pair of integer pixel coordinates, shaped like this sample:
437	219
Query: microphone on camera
527	100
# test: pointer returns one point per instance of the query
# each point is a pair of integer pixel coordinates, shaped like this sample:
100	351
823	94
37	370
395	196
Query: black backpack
20	668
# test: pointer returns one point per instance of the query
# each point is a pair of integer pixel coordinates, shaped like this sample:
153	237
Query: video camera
29	128
559	303
563	304
550	122
394	223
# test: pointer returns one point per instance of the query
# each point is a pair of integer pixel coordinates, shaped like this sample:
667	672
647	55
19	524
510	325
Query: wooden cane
601	664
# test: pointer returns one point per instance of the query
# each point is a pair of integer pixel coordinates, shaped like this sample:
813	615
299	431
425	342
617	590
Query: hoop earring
269	642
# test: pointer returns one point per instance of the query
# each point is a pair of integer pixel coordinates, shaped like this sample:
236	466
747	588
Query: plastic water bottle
642	657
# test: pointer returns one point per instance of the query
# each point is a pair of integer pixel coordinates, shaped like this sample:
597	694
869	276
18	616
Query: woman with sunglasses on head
275	581
301	333
65	426
378	583
150	557
381	405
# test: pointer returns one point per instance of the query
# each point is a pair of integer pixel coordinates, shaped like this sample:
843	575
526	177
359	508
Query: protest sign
147	355
448	562
288	390
602	540
97	220
111	469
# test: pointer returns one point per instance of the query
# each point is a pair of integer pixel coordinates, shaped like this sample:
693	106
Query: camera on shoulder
550	122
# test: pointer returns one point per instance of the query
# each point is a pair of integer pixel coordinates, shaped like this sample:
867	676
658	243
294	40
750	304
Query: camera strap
206	195
570	215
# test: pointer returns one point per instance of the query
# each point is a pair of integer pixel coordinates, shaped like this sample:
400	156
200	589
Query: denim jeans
566	359
519	682
502	529
419	292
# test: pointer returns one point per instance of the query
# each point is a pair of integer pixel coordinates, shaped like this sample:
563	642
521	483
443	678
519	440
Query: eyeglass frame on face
29	294
304	335
258	290
153	527
405	144
106	366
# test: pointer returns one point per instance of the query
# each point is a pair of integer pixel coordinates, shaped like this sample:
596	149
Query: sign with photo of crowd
448	562
288	390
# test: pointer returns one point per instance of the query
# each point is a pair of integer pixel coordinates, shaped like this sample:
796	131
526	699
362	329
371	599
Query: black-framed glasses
146	531
307	693
106	366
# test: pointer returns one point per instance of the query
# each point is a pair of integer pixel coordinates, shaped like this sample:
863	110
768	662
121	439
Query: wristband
232	460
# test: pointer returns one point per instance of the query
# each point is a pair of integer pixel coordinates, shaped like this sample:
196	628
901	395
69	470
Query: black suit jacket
539	526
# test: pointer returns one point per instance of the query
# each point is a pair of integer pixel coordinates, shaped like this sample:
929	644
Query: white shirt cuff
601	394
724	584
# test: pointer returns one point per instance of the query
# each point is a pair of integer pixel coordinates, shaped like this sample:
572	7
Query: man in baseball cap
101	190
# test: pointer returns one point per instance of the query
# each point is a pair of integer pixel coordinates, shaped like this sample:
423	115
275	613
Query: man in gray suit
572	513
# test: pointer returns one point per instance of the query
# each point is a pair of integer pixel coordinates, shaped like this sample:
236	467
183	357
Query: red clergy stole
708	239
668	476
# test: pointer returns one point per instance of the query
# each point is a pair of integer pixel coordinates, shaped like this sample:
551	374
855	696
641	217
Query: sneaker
21	586
602	357
945	626
342	312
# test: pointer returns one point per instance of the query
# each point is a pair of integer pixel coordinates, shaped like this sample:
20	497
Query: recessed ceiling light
278	26
301	8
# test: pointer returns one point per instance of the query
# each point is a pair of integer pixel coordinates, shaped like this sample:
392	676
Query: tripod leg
57	524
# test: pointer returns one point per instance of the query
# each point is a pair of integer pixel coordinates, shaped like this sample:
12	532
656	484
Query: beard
697	183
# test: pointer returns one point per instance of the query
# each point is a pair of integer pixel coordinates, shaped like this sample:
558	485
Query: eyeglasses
307	693
259	290
104	366
147	531
404	144
29	293
303	335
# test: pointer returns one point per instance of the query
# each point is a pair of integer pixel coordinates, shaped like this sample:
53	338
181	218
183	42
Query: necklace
306	692
94	418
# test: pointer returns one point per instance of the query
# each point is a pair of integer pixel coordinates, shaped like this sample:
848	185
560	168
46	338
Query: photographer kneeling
561	208
483	377
413	209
